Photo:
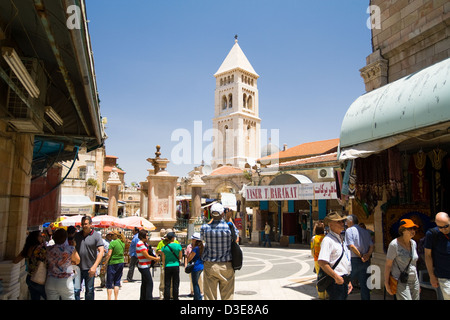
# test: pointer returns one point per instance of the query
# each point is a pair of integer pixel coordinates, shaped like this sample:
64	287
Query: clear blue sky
155	61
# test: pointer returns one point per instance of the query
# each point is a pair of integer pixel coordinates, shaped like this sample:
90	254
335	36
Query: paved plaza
268	274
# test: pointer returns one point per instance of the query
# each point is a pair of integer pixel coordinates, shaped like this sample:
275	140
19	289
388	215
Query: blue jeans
88	283
267	238
36	290
195	276
359	271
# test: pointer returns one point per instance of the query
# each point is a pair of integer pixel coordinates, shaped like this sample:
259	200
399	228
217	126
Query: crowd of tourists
343	256
60	265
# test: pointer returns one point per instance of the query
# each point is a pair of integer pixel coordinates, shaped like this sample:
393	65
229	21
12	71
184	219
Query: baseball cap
216	209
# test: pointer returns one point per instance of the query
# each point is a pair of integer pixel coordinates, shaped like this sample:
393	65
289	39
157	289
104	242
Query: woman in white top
401	258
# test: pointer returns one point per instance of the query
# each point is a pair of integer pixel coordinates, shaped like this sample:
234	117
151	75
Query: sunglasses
443	227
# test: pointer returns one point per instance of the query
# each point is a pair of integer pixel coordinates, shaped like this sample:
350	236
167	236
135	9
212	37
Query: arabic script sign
307	191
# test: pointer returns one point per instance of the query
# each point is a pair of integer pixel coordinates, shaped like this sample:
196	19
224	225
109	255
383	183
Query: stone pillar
113	192
161	193
16	156
196	185
379	256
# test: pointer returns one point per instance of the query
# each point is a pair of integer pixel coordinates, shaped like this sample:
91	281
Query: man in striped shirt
217	256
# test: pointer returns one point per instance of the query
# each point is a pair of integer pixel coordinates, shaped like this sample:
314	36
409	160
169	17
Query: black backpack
236	251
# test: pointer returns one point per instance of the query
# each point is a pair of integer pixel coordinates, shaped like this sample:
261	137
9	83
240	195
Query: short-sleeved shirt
360	238
440	252
117	247
132	250
401	257
315	245
217	237
330	251
87	248
143	262
59	261
162	243
171	259
198	262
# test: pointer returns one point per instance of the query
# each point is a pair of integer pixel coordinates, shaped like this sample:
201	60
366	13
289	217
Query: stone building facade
413	34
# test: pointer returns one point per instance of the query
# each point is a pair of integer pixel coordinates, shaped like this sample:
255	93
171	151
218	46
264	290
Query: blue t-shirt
132	250
198	262
440	252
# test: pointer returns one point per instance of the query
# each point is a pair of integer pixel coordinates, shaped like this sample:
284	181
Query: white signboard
304	191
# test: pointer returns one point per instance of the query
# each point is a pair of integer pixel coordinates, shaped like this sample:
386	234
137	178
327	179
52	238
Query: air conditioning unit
20	117
325	173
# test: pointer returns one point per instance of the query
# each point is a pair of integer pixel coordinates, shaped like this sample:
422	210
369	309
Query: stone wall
414	34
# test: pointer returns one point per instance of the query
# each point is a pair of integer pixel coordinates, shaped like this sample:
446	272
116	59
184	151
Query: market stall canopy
287	178
76	204
415	105
137	222
106	221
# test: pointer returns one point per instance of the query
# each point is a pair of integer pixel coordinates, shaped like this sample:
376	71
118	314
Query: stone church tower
236	121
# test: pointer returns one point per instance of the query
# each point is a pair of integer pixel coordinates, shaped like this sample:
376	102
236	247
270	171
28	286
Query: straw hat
335	216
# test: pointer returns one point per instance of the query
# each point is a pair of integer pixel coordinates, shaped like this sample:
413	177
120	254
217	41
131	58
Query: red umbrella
106	221
137	222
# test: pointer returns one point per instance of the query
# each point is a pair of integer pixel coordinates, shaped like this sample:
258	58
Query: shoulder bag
167	245
323	279
189	267
39	276
393	283
236	252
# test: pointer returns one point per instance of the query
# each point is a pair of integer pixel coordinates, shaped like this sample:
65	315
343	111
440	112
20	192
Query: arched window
244	101
250	102
230	101
224	102
82	173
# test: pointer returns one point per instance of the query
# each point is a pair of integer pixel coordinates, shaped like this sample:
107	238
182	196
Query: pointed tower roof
236	59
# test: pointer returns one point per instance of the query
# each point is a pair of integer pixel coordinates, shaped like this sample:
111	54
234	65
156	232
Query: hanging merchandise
420	185
436	156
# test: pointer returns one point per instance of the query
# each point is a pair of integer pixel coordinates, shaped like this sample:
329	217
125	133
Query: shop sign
307	191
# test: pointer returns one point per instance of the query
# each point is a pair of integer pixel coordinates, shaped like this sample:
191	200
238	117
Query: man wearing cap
361	246
332	249
218	270
437	254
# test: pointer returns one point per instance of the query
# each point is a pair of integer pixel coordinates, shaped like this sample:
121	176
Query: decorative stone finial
159	164
113	177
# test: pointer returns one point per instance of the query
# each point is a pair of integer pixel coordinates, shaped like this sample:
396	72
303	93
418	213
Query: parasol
71	221
137	222
106	221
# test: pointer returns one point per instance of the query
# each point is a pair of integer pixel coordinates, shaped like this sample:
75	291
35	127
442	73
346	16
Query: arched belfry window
224	102
244	101
250	102
230	101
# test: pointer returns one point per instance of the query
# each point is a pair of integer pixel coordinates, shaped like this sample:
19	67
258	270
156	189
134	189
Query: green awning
386	116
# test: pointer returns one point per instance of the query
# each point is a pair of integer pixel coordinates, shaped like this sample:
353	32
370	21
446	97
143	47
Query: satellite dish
206	170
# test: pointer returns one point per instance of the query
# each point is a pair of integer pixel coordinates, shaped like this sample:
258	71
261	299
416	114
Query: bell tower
236	121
